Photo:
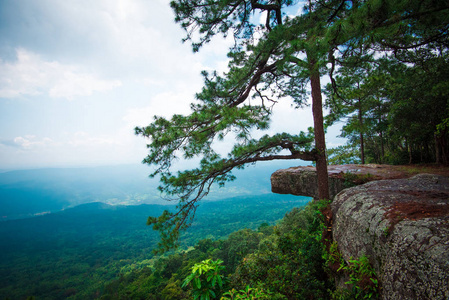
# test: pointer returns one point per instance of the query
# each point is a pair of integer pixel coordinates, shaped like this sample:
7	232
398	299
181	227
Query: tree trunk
409	149
362	149
382	148
382	145
444	149
362	144
437	150
421	153
320	143
441	151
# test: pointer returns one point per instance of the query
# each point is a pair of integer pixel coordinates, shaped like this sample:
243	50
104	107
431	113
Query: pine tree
270	62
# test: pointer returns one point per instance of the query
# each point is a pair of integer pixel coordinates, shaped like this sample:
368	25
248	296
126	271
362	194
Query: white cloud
31	75
164	104
84	139
77	139
78	84
80	148
28	142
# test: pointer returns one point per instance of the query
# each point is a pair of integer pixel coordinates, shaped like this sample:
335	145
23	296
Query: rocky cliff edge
399	221
403	227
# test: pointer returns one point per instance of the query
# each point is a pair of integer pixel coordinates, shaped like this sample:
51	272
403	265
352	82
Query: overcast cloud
77	76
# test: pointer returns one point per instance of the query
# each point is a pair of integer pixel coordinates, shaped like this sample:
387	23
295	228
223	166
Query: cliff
401	225
302	181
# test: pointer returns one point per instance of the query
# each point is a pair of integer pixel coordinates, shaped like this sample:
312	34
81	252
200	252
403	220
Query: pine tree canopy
270	61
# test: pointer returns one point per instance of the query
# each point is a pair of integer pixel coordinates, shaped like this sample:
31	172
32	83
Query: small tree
206	280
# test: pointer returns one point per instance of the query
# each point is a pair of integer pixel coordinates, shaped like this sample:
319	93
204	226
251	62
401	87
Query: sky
77	76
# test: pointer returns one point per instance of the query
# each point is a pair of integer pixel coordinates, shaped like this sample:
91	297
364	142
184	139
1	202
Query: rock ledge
403	227
302	181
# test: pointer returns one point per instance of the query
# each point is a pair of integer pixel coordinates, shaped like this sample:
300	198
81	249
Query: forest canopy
387	64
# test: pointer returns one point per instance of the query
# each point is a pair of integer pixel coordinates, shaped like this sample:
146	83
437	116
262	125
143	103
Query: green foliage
396	113
175	268
173	291
116	249
333	257
285	261
351	179
237	246
362	278
206	280
419	94
289	262
353	95
248	293
343	155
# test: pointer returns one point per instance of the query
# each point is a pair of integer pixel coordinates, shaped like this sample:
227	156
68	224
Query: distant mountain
27	193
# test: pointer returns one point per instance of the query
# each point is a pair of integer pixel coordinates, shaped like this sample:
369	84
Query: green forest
284	261
293	259
394	109
77	252
264	247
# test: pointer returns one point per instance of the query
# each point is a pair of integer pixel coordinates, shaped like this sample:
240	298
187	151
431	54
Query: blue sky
77	76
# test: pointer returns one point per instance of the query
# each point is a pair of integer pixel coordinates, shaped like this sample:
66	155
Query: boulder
302	181
402	225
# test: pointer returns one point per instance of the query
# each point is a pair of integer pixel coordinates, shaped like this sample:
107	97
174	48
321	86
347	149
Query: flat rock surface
377	171
403	227
302	180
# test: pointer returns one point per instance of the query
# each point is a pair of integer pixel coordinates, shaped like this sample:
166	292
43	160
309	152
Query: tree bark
317	111
320	143
362	143
409	149
382	147
441	151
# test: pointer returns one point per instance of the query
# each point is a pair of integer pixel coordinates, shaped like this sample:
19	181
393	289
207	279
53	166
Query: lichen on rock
402	225
303	180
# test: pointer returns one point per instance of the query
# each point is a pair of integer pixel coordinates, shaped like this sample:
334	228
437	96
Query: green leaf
197	283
